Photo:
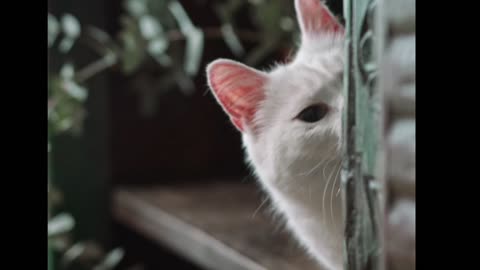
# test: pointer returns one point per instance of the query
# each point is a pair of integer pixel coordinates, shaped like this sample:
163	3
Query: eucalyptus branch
101	44
96	67
216	33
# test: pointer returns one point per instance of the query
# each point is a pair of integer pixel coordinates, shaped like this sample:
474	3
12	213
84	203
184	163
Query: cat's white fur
298	163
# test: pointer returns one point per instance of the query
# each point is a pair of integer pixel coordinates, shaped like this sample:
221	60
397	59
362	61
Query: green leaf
60	224
73	253
62	106
136	8
66	44
194	38
287	24
67	71
194	51
71	29
74	90
232	40
83	251
70	26
111	260
181	17
53	29
132	57
133	45
150	27
65	124
157	46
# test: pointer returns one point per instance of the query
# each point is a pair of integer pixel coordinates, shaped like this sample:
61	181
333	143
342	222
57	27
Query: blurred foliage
274	22
152	31
162	32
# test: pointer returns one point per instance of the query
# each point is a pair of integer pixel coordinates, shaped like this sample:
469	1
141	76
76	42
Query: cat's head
292	113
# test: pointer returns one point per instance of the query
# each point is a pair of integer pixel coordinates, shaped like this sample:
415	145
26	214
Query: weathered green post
361	126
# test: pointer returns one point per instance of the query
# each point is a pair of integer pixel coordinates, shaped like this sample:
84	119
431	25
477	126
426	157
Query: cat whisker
321	162
323	206
331	194
325	167
310	192
259	207
325	189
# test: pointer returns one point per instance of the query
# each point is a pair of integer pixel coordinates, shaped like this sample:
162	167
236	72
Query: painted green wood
361	137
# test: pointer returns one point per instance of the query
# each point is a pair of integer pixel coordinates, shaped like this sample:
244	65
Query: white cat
290	119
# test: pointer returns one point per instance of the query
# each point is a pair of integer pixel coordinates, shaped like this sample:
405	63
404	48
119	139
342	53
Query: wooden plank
362	134
216	225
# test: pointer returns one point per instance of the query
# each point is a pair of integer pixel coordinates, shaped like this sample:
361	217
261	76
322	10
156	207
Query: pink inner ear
238	88
316	18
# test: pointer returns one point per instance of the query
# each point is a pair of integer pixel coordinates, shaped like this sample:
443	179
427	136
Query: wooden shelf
215	225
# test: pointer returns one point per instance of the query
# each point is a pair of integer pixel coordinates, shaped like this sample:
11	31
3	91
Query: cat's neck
312	206
307	194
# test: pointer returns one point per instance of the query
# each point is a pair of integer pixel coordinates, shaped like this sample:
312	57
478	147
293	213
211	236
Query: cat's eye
313	113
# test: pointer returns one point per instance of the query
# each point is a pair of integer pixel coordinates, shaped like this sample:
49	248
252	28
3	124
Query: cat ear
315	18
238	89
